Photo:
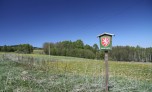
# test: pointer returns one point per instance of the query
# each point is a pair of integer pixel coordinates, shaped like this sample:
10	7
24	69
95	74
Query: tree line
22	48
129	53
74	49
79	49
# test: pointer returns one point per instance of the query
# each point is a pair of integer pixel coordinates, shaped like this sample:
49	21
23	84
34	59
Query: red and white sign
105	41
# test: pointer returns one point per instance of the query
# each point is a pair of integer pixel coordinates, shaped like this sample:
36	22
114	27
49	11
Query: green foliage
22	48
78	44
25	48
78	49
69	48
6	48
128	53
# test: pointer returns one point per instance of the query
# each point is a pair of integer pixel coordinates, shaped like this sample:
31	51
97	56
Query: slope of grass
41	73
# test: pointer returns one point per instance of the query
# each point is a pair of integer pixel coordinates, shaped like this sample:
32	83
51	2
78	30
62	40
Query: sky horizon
39	21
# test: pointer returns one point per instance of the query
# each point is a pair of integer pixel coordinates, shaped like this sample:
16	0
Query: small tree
4	48
78	44
25	48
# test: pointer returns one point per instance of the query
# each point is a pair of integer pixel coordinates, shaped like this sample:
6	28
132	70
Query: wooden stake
106	71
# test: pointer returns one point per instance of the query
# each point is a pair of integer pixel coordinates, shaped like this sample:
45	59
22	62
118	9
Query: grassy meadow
43	73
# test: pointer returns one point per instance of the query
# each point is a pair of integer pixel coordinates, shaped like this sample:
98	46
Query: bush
25	48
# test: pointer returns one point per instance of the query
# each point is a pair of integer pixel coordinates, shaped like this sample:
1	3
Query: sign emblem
105	41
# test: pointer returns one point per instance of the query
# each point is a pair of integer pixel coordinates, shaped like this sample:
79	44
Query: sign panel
105	42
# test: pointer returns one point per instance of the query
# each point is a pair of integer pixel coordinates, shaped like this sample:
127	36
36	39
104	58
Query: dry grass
41	73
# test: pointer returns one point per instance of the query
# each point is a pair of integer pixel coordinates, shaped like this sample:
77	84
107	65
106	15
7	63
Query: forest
21	48
130	53
79	49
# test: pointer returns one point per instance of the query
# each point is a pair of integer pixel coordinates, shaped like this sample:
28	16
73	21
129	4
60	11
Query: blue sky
39	21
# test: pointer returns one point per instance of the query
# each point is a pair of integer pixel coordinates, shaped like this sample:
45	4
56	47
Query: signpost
105	45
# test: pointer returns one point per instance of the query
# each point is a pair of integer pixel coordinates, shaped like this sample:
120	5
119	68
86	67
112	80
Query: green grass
43	73
38	52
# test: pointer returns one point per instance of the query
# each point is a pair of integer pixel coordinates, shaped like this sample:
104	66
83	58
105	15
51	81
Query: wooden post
106	71
105	45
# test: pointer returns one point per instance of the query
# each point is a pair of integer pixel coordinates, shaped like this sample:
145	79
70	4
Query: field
43	73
